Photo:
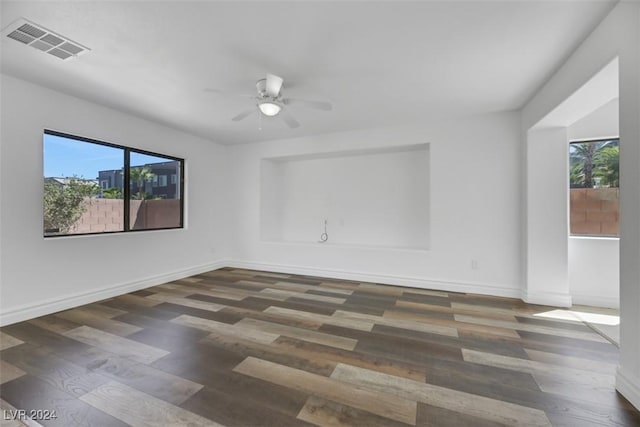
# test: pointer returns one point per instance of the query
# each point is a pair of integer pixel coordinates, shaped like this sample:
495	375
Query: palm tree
586	162
607	165
581	161
140	175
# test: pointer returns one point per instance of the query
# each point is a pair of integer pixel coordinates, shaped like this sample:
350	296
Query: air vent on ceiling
36	36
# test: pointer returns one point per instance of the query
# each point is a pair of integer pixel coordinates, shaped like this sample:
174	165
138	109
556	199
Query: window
594	181
96	187
155	207
162	180
174	178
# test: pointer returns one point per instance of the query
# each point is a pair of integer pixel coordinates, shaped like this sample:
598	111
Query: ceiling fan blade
288	119
243	115
318	105
273	86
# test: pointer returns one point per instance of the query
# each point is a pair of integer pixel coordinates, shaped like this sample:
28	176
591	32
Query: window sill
594	237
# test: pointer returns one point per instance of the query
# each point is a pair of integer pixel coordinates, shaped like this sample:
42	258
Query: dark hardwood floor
248	348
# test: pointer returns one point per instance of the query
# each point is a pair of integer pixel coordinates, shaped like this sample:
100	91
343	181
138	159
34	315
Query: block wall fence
595	211
104	215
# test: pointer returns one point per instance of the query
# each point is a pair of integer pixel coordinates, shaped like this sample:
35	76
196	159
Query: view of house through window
95	187
154	202
594	180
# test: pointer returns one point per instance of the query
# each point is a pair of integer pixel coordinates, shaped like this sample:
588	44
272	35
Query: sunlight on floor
580	316
604	321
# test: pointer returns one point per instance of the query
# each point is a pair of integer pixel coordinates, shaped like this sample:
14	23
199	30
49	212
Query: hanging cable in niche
324	236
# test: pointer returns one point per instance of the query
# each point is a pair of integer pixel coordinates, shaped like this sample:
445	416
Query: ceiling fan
271	103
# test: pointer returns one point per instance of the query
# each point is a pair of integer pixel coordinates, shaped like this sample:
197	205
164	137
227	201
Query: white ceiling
379	63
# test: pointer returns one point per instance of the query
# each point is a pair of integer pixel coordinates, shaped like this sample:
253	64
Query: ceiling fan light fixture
269	108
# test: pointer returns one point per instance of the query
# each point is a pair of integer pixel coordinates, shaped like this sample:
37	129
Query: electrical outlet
474	264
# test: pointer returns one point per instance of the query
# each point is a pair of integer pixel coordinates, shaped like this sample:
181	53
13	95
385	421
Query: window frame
126	190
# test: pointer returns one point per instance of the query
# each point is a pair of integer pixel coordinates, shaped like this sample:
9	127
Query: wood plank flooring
235	347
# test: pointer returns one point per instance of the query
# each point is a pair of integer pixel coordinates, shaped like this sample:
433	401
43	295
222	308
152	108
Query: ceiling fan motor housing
261	86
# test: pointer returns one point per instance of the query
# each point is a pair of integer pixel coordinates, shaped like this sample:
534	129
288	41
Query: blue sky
65	157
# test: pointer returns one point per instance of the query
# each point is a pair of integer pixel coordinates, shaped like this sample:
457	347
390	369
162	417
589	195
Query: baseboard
30	311
66	302
628	386
595	300
413	282
554	299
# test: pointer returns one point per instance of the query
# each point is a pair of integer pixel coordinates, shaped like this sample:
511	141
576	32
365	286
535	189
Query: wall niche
377	197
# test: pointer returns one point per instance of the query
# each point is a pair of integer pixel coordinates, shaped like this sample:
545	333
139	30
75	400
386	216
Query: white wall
617	35
594	263
594	271
628	378
368	198
40	276
474	188
547	278
600	124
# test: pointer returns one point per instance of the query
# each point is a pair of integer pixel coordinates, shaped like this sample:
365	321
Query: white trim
628	386
53	305
579	237
597	138
595	300
554	299
413	282
31	311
